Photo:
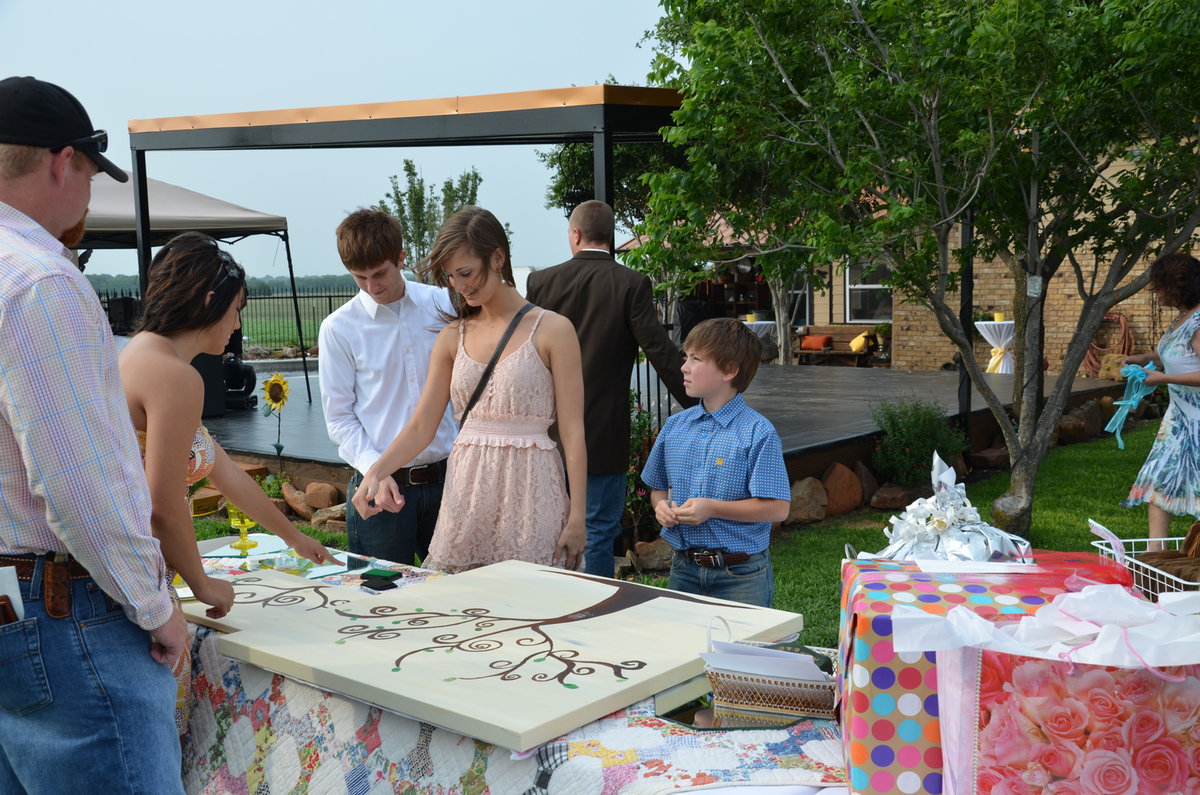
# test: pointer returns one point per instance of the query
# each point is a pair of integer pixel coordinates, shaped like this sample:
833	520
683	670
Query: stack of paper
763	661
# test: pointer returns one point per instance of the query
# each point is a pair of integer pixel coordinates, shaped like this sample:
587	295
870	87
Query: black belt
421	475
714	558
25	564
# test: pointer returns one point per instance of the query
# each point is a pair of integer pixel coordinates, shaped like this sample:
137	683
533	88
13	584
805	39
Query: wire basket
1148	579
734	690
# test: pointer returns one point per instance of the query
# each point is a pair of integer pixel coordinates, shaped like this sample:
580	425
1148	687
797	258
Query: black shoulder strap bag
487	373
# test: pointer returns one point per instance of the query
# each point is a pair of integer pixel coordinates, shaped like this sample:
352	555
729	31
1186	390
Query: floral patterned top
201	459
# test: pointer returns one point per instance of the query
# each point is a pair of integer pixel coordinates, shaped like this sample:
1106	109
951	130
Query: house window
802	303
867	300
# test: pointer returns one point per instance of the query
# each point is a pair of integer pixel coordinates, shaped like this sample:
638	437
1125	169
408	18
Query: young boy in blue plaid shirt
716	472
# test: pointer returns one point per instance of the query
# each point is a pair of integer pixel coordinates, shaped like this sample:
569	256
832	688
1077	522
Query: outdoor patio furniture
830	345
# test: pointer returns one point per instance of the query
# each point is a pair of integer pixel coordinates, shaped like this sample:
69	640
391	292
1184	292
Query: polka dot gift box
891	727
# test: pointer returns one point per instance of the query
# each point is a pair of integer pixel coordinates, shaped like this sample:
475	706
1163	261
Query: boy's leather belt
421	475
715	558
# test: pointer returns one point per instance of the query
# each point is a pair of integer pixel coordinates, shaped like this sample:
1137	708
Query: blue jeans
605	504
400	537
82	703
751	582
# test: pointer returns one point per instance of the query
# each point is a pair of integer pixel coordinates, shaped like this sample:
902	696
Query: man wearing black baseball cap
87	692
37	113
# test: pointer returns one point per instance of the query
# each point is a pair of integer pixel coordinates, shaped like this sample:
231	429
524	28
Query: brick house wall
918	343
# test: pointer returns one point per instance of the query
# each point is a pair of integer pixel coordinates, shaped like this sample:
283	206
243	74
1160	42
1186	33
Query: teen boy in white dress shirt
374	359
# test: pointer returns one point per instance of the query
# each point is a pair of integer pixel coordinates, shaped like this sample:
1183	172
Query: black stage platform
822	414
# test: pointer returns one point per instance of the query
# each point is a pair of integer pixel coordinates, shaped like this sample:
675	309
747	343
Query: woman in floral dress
193	300
1169	483
505	495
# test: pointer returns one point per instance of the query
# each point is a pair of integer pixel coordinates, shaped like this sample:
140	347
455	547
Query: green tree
572	177
1061	126
422	209
572	168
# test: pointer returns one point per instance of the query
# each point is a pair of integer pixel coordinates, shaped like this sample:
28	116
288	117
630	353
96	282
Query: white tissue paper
1099	625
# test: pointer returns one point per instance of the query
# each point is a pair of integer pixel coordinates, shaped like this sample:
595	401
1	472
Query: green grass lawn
1074	484
216	527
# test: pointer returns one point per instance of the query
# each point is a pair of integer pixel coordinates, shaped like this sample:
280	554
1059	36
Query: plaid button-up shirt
71	476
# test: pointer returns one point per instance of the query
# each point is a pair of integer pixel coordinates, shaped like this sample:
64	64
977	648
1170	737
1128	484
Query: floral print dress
1170	478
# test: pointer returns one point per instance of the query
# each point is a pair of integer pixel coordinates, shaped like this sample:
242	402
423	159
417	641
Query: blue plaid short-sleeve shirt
731	454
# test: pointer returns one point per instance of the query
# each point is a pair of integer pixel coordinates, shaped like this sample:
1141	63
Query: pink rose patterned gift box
1017	724
891	719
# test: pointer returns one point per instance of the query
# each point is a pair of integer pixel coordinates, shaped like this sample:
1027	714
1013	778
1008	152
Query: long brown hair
181	275
481	233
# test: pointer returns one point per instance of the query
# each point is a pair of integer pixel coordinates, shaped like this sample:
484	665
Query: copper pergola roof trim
627	113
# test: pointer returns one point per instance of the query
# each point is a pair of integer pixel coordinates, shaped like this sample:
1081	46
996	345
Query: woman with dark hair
193	300
505	496
1169	482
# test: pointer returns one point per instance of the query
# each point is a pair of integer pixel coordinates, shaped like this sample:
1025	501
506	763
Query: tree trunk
1013	511
1020	310
782	299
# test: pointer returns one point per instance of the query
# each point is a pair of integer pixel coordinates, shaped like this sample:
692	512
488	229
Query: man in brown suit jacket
612	308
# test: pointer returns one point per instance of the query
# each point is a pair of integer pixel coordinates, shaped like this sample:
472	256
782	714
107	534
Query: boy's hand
664	512
695	511
374	495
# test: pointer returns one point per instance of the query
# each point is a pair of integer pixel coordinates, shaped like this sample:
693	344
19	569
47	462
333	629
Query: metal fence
269	321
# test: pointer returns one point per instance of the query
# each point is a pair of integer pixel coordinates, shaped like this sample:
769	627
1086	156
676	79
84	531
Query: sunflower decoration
275	395
275	389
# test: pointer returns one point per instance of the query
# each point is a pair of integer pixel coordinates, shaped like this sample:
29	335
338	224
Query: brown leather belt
421	475
58	571
24	564
715	558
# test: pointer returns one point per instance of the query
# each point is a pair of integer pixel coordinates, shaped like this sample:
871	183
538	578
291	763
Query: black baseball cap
36	113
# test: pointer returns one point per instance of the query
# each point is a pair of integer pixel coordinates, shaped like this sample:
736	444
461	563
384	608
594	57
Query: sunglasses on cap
97	141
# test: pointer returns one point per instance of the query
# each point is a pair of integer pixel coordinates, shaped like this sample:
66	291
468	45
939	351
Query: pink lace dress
201	460
505	496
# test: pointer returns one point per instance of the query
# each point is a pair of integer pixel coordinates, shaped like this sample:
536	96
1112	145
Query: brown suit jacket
612	308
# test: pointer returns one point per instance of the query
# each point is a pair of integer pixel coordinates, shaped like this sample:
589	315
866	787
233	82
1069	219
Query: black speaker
213	374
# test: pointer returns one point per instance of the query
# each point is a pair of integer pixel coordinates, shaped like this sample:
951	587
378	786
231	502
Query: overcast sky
134	59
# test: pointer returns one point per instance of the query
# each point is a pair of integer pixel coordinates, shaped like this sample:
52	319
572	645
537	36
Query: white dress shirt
374	361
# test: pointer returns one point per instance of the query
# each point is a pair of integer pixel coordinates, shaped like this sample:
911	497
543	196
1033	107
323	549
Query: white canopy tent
112	224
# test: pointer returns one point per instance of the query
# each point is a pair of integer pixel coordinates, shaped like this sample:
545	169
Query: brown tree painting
476	630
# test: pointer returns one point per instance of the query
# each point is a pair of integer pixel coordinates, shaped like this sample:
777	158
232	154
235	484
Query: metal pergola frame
601	115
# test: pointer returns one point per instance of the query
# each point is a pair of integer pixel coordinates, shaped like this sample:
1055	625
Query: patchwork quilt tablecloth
256	732
253	731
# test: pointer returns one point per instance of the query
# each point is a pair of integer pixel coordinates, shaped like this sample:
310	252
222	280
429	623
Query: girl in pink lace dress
505	495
